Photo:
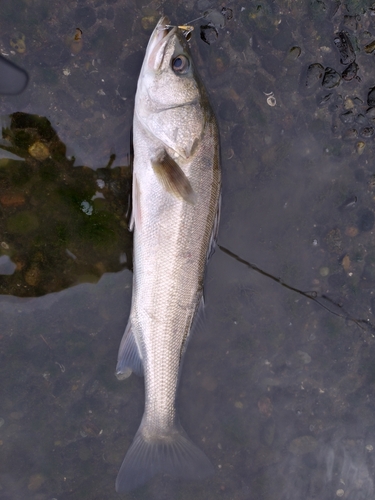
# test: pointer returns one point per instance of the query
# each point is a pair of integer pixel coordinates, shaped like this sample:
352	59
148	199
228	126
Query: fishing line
311	295
197	19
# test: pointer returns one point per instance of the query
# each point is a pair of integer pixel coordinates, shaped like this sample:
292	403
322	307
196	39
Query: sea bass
176	193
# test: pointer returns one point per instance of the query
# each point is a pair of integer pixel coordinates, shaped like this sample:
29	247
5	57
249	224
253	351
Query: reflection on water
277	391
60	224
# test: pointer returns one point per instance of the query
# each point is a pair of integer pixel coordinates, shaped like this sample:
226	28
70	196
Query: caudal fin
173	454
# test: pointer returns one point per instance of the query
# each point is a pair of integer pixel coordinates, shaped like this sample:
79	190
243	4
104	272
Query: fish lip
159	37
163	21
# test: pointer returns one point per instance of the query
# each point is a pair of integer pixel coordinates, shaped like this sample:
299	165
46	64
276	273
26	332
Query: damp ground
278	386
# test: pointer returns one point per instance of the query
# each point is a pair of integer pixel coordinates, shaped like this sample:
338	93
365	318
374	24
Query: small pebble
340	493
369	447
148	22
314	74
360	119
265	406
347	117
209	383
351	231
70	254
367	132
294	53
324	99
345	47
348	104
305	358
35	482
7	267
209	34
39	151
350	72
33	275
351	133
12	200
324	271
346	263
349	203
370	47
215	18
88	428
360	146
17	42
371	97
351	22
331	78
227	13
87	208
75	42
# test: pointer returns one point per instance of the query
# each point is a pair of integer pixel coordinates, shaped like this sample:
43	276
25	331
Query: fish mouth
158	40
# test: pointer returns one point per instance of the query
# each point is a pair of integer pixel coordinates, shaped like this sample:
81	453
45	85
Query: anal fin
129	359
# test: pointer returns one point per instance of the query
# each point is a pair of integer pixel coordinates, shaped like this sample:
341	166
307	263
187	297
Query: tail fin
172	453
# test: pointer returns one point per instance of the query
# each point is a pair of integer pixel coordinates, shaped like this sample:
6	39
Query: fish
176	196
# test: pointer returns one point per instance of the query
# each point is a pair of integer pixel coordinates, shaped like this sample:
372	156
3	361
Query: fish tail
173	453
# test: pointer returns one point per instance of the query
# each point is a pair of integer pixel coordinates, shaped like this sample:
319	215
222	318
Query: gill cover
168	99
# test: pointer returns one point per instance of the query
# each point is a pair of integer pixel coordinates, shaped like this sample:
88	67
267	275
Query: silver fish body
176	193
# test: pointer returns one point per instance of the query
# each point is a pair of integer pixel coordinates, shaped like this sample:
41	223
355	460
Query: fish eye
180	64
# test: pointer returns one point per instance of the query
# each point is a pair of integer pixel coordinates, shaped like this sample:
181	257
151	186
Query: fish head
169	92
167	74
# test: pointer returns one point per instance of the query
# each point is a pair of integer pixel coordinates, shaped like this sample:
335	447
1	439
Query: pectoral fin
173	178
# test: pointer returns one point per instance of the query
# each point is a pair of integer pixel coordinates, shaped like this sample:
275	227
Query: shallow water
278	386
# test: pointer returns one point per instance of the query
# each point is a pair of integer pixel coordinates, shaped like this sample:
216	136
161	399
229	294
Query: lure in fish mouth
176	198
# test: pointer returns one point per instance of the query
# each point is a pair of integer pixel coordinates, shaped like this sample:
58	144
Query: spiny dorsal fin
173	178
